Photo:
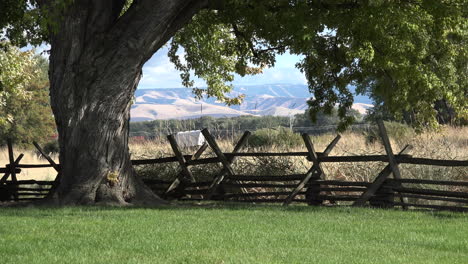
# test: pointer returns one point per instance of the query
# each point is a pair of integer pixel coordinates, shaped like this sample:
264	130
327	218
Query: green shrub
399	132
51	147
274	137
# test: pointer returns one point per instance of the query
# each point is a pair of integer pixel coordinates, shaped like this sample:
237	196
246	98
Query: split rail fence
311	188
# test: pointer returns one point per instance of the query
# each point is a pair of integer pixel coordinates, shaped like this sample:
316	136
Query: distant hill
179	103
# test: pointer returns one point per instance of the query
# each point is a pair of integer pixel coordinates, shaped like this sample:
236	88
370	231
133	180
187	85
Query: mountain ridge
271	99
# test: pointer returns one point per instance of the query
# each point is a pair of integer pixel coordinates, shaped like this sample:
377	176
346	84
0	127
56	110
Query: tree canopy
407	53
25	114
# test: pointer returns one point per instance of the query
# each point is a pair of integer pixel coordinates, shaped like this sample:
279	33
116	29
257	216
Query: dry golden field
30	157
448	143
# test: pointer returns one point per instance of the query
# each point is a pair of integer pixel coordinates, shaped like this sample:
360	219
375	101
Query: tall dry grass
448	143
30	157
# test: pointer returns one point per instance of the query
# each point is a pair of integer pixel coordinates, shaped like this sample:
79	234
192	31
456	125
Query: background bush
275	137
400	133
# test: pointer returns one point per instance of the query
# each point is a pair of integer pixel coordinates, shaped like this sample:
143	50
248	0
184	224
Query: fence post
54	165
391	158
8	172
7	192
384	196
178	183
227	169
377	183
180	157
12	167
47	157
313	171
313	191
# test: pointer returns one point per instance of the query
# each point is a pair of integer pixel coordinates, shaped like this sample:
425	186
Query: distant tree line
228	124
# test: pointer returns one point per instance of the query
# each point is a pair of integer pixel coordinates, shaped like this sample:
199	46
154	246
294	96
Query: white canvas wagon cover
190	138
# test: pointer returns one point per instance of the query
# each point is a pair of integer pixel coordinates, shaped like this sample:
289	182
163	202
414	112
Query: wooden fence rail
402	159
338	191
312	187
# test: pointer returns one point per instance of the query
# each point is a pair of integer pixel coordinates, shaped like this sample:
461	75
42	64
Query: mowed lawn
231	234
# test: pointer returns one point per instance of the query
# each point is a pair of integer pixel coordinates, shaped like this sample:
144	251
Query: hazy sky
159	72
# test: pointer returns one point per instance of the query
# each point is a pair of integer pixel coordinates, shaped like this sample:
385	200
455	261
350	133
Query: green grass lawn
231	234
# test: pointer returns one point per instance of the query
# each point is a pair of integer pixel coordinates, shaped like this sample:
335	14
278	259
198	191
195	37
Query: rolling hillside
179	103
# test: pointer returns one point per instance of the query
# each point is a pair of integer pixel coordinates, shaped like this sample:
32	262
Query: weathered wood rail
401	159
312	187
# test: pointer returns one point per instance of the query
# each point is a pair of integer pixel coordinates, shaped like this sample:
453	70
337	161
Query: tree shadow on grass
38	210
41	210
447	214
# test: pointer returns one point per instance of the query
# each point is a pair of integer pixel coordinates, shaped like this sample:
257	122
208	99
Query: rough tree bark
95	65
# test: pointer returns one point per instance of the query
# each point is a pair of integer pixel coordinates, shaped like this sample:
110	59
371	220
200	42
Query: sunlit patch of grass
231	234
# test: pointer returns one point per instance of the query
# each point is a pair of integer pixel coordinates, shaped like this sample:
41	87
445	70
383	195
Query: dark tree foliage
410	54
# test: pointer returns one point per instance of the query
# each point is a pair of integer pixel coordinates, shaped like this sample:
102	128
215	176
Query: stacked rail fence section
388	190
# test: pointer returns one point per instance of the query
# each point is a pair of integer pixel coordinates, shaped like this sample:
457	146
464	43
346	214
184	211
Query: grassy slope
231	234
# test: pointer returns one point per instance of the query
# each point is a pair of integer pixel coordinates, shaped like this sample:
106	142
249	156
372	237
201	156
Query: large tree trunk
93	137
95	65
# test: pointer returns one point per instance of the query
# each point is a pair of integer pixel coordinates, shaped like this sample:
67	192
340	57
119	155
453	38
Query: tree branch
256	52
148	25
